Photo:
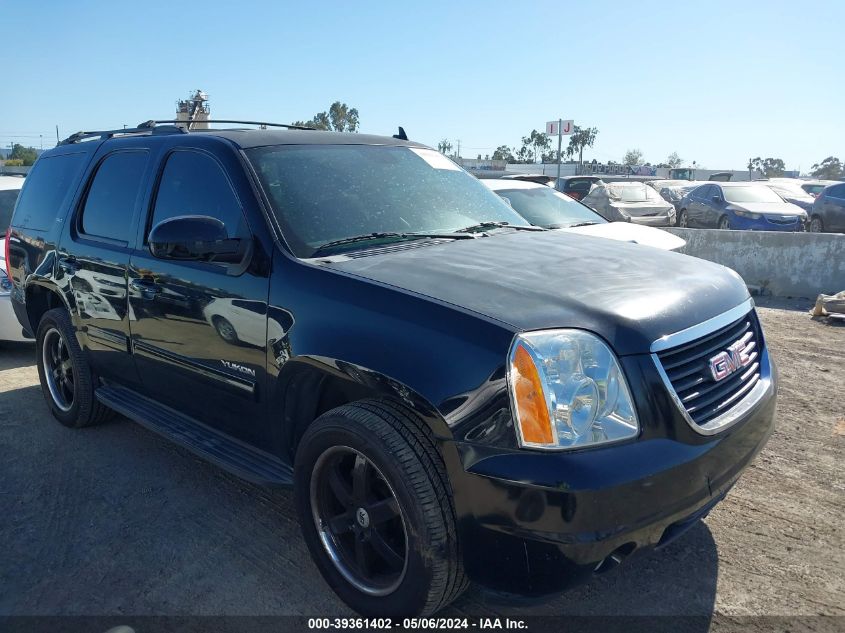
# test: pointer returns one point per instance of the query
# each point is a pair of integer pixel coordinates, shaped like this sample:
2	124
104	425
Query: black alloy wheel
359	520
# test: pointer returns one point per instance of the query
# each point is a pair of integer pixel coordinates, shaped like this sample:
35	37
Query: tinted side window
8	197
715	190
195	184
837	191
47	188
112	196
704	192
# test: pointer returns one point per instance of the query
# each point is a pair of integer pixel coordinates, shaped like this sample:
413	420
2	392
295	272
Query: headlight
747	214
568	391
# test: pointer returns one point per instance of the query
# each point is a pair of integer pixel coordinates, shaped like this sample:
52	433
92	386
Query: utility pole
559	141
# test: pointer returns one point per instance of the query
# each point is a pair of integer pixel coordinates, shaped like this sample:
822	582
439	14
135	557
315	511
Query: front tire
67	381
226	330
816	225
376	510
724	223
683	220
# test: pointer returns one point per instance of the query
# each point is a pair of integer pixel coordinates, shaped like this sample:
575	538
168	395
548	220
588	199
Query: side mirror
195	238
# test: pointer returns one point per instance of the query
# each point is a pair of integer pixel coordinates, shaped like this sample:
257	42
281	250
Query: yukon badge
725	363
238	368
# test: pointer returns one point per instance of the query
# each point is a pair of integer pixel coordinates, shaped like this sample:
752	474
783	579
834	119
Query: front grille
687	367
787	220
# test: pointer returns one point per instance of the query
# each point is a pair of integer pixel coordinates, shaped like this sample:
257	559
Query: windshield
633	192
323	193
7	205
790	191
813	189
543	206
750	193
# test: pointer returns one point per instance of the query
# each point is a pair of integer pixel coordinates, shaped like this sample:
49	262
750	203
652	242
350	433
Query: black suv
453	394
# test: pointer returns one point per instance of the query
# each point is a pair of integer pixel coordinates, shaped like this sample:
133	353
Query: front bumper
654	220
542	522
766	224
10	328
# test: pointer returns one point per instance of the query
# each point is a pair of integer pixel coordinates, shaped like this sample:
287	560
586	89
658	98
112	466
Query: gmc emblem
725	363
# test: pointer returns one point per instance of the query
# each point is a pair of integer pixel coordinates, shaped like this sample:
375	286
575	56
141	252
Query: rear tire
343	518
67	381
683	220
816	225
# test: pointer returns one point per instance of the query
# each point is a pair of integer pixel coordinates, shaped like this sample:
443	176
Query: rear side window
112	196
194	184
7	205
46	190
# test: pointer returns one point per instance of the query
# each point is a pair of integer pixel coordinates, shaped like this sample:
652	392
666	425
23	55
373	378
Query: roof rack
153	123
155	126
143	128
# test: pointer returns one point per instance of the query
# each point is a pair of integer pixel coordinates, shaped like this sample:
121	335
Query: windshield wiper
481	226
572	226
390	234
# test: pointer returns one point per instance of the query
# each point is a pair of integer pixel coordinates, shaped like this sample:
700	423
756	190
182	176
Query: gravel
114	520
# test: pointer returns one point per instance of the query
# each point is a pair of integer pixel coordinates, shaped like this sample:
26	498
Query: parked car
452	393
814	187
791	191
577	186
538	178
10	329
673	191
630	202
828	212
550	209
739	205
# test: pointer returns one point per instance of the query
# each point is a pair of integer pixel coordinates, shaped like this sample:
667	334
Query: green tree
769	167
581	138
633	157
339	118
525	154
25	154
829	169
674	161
503	152
536	142
444	146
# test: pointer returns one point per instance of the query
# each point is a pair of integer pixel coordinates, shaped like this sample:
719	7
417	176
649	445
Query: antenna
401	136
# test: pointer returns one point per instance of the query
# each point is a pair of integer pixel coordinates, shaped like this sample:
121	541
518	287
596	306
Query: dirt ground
114	520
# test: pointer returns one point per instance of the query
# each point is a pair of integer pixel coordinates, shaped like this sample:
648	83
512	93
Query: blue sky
716	81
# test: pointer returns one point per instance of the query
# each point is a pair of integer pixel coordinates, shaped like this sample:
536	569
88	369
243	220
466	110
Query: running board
231	454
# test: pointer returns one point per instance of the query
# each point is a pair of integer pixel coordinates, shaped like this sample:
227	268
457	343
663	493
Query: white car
547	207
10	329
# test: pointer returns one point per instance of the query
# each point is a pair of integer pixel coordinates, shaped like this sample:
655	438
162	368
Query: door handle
69	265
147	287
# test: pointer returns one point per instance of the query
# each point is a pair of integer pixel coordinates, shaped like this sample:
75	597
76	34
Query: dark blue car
739	205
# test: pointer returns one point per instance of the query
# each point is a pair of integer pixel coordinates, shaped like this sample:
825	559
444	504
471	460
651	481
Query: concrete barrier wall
781	264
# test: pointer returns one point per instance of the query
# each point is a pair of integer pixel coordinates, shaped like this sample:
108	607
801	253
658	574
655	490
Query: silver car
10	329
630	202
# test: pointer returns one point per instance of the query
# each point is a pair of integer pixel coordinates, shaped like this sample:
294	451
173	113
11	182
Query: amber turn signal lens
532	412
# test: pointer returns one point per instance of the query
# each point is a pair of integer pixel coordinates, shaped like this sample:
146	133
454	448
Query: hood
769	208
628	232
637	209
628	294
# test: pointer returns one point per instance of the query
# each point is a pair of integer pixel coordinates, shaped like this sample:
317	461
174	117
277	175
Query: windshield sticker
435	159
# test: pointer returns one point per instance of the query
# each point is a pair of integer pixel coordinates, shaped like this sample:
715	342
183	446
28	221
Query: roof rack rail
156	126
78	137
153	123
